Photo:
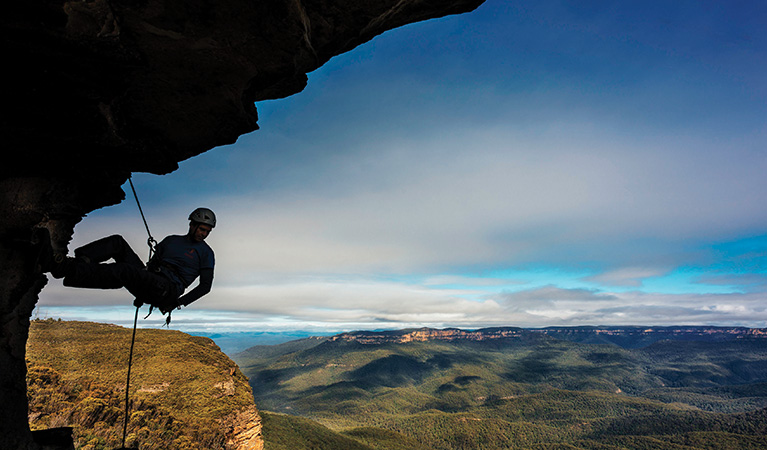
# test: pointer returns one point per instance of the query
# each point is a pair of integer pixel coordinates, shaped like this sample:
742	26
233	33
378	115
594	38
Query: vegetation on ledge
184	392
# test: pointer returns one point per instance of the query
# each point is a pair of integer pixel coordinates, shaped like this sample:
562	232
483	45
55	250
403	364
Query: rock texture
98	89
627	337
245	430
427	334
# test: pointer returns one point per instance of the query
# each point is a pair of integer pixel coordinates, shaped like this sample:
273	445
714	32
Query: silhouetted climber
177	261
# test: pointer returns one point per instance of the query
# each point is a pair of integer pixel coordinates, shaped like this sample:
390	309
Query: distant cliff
627	337
184	392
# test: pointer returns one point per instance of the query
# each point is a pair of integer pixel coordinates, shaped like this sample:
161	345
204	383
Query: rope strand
150	241
127	381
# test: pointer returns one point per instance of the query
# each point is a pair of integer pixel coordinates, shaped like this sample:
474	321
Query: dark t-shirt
186	256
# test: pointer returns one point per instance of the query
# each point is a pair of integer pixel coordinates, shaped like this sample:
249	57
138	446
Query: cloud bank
535	164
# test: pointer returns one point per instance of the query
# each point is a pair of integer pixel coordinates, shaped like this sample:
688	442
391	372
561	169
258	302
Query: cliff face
245	431
427	334
101	88
628	337
185	393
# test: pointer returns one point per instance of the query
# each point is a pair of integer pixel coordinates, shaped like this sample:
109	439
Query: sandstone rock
245	430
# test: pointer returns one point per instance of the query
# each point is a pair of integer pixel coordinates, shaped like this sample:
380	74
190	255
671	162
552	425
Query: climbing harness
151	242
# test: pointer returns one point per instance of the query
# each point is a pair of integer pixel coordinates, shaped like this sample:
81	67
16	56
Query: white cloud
626	276
495	164
361	304
493	196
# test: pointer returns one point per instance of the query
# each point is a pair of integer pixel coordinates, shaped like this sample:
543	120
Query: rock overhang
98	89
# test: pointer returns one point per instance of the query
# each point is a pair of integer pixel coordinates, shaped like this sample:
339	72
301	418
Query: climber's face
198	232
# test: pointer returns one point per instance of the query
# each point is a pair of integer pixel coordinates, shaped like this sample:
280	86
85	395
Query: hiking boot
46	259
62	266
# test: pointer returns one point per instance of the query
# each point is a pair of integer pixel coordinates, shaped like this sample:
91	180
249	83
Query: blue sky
527	164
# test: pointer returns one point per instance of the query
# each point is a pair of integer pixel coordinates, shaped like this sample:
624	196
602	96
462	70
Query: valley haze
627	337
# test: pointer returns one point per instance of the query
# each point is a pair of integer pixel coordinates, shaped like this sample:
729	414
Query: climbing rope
127	381
150	241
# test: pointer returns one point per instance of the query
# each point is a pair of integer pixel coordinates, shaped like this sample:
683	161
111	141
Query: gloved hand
165	309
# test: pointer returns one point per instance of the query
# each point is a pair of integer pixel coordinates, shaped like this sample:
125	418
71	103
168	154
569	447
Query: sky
531	163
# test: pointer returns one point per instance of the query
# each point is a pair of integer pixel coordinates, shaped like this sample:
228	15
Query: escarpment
98	89
185	393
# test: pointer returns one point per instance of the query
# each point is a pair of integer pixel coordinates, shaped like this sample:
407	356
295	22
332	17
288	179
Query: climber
176	263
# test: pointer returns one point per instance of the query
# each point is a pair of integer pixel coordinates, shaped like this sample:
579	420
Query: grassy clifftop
185	393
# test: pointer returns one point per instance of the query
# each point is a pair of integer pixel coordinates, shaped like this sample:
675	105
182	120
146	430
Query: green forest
534	392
